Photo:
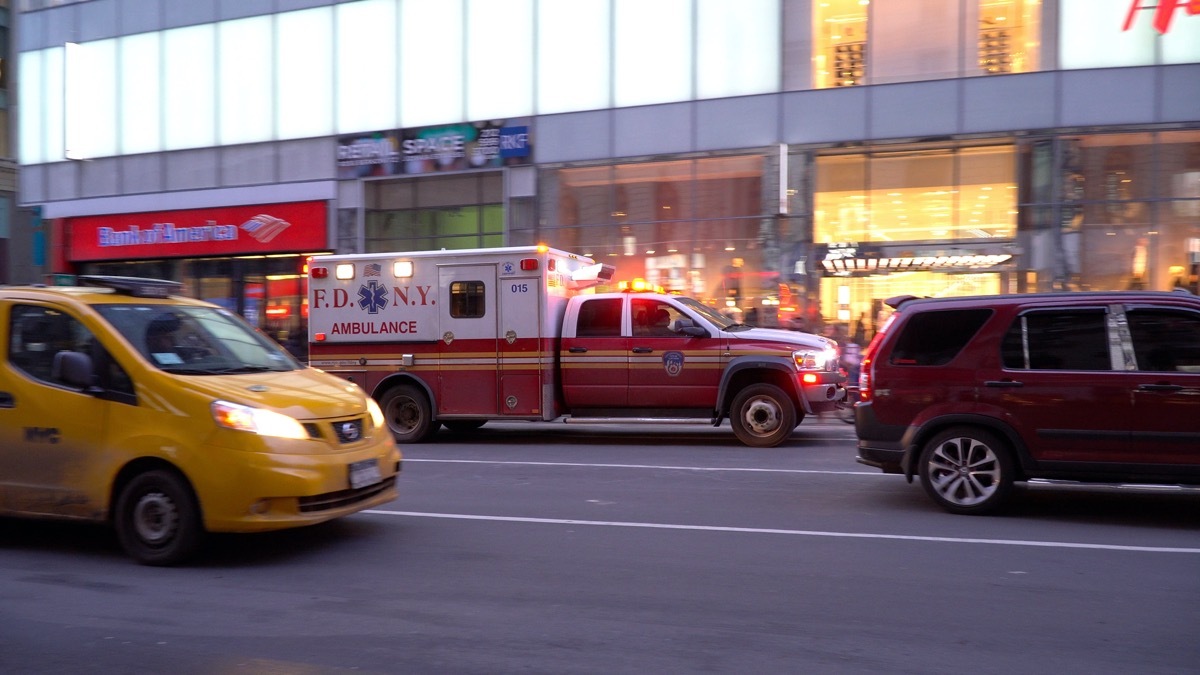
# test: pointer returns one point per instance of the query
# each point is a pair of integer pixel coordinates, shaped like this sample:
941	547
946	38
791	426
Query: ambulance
460	338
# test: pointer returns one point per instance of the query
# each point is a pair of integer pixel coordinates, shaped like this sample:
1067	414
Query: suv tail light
866	383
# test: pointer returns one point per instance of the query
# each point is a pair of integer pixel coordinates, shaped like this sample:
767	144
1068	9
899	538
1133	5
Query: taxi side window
36	334
600	318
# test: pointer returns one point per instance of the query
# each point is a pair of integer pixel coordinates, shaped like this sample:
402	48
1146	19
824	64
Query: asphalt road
569	549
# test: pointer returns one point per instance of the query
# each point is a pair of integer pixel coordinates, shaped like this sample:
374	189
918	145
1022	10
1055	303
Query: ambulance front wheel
762	416
408	413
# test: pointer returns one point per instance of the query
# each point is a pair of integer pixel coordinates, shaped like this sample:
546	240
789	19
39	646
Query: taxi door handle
642	350
7	400
577	350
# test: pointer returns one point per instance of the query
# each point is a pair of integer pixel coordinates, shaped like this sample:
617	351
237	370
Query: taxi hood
303	394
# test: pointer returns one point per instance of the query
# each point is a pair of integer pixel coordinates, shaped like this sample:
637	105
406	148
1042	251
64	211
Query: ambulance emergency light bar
401	269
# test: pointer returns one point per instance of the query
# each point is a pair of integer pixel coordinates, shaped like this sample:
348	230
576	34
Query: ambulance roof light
318	272
344	271
402	269
529	264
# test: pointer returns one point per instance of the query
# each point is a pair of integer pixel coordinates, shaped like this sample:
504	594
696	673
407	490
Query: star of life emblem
372	296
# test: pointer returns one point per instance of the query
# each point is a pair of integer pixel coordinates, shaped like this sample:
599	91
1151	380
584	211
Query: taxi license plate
364	473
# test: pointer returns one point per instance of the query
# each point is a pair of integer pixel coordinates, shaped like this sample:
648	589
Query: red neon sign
1164	12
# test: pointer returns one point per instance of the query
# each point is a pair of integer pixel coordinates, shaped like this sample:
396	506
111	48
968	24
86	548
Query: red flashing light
319	337
809	378
529	264
319	272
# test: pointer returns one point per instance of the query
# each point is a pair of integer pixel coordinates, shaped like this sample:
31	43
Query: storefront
248	259
431	188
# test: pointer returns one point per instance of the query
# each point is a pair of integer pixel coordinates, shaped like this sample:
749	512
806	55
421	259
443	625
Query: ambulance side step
636	420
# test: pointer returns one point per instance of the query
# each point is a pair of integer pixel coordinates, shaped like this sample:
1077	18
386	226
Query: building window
839	43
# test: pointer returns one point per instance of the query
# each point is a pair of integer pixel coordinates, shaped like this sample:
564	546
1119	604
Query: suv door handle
7	400
642	350
1003	383
1160	387
577	350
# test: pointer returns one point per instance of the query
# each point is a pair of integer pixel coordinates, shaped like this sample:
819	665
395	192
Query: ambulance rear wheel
158	519
408	413
762	416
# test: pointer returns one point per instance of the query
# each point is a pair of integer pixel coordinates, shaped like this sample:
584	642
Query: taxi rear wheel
762	416
157	519
408	413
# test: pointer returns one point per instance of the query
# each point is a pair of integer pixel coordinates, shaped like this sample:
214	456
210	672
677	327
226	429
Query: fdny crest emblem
673	363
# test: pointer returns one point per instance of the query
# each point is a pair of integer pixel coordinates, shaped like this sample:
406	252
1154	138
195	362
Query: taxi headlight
256	420
814	359
376	412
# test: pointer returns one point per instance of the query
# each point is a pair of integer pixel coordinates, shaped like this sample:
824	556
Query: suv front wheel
967	470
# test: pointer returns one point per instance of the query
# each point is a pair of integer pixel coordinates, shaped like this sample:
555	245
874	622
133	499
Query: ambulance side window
599	318
467	300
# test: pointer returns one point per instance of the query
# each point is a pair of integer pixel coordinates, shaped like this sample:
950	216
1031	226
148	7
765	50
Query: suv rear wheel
967	470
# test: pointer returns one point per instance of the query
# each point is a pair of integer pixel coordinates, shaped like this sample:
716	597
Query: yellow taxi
169	417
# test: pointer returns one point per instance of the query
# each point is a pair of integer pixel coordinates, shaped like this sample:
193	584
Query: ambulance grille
343	498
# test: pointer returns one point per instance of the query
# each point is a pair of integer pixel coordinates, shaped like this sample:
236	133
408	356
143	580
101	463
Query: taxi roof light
138	287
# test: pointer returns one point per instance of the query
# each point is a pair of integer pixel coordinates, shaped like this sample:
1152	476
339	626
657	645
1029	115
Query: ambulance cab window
652	318
466	300
600	318
36	334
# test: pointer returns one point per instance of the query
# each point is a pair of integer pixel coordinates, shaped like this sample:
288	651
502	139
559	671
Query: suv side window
935	338
1165	340
1058	340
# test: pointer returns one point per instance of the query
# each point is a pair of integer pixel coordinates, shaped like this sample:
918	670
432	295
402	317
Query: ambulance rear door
469	318
521	347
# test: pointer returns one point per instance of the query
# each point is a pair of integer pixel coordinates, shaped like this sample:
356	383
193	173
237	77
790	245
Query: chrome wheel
966	470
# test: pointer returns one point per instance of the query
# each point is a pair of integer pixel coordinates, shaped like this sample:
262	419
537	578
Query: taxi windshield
191	340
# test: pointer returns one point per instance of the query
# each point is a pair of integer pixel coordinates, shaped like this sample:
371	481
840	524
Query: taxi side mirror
73	368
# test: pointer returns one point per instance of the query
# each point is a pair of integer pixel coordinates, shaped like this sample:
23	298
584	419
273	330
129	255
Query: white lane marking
647	466
802	533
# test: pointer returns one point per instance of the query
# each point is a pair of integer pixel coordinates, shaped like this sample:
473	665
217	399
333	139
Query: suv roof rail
898	300
138	287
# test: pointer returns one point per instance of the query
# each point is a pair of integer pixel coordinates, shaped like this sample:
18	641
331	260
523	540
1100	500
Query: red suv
972	394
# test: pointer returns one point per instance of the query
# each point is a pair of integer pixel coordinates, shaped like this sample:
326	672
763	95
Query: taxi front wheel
157	520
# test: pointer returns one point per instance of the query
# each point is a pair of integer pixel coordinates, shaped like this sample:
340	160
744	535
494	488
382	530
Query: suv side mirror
687	327
73	368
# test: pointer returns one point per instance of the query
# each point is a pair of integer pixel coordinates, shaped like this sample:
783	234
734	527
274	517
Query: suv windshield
193	340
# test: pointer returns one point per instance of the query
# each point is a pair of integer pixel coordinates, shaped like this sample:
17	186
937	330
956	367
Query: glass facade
451	212
694	226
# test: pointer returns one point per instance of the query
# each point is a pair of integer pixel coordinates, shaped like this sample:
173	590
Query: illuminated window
840	43
1008	36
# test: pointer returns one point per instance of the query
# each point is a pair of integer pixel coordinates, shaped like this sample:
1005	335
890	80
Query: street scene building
790	162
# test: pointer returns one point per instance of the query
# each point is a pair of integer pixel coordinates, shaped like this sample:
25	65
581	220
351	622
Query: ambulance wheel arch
156	513
761	401
408	407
